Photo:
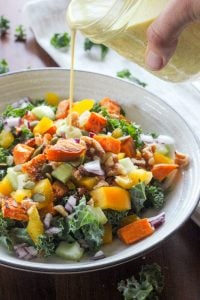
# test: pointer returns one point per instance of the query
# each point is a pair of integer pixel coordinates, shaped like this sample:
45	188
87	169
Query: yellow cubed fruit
133	178
162	159
83	105
5	187
107	236
44	187
88	182
111	197
121	155
43	126
35	227
6	139
20	195
52	99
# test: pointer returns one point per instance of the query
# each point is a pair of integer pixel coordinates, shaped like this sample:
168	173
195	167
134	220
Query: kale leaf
5	225
127	74
61	40
18	111
155	195
149	285
46	245
115	217
3	66
4	153
88	45
85	227
24	135
4	25
20	34
138	197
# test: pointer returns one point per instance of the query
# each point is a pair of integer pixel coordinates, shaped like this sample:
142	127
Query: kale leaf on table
61	40
4	25
148	287
20	33
3	66
88	45
127	74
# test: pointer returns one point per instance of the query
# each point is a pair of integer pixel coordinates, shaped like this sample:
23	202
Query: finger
164	32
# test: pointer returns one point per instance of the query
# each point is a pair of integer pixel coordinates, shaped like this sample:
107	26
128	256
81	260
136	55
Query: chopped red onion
146	138
53	230
94	167
157	220
21	252
24	251
165	139
91	134
47	220
12	122
77	140
20	102
99	255
31	250
71	202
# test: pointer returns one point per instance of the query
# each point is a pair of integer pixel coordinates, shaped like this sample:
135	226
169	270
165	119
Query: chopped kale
127	74
19	111
149	285
115	217
4	153
155	195
45	245
20	34
138	197
3	66
5	225
24	135
88	45
61	40
4	25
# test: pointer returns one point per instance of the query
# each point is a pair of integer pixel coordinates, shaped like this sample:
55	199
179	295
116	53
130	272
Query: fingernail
154	61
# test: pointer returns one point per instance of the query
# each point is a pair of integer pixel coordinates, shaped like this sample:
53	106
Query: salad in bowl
72	182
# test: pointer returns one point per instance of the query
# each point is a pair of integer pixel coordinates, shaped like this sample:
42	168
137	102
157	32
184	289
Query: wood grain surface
179	255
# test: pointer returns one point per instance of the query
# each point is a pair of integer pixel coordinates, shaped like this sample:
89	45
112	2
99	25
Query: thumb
163	33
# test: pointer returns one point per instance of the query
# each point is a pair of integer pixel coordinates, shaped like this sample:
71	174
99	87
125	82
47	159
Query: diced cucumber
70	251
13	177
99	214
165	145
127	164
43	111
63	172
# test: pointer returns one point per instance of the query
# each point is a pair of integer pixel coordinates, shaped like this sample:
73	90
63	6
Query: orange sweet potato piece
135	231
13	210
59	189
65	150
22	153
111	106
30	142
160	171
52	130
108	143
63	109
34	166
128	147
95	123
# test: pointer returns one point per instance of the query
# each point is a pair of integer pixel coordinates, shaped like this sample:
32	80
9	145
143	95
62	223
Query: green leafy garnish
5	239
17	112
3	155
155	195
88	45
4	25
127	74
149	285
3	66
114	218
24	135
138	197
20	34
61	40
84	226
45	245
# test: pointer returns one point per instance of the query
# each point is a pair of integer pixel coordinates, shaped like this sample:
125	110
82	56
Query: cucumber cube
70	251
99	214
43	111
63	172
127	164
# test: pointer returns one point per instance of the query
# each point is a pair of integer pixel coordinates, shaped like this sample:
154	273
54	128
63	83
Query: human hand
164	32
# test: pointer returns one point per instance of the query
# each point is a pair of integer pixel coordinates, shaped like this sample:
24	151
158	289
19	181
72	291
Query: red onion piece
157	220
20	102
12	122
47	220
146	138
71	202
77	140
24	251
99	255
94	167
31	250
91	134
53	230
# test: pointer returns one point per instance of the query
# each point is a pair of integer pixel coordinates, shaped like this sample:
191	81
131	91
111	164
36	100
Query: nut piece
61	210
181	159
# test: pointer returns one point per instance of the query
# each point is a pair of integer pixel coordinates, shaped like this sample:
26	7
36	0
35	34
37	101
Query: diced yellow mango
107	236
20	195
121	155
5	187
133	178
160	158
43	126
35	227
52	99
44	187
83	105
111	197
88	182
6	139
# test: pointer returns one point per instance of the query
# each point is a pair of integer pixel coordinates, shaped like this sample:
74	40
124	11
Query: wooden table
178	256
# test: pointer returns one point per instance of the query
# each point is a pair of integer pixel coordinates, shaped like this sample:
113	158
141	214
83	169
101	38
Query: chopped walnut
181	159
94	145
100	184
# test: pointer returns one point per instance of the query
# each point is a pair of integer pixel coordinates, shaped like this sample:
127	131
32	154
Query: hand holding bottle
164	32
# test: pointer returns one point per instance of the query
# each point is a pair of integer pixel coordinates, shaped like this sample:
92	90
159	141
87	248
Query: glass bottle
122	25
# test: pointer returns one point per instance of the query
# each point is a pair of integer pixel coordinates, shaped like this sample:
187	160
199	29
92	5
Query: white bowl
153	114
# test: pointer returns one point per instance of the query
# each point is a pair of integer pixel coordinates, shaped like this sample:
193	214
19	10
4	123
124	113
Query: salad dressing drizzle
71	82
